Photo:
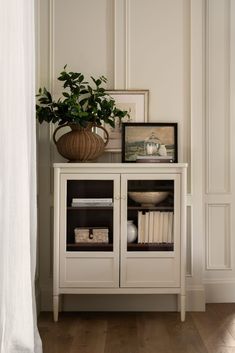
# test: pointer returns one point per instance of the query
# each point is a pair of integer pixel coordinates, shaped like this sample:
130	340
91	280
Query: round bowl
148	198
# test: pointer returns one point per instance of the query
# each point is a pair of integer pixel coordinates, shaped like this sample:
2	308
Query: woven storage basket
91	235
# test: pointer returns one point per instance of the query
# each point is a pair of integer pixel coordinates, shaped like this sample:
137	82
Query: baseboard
195	300
220	291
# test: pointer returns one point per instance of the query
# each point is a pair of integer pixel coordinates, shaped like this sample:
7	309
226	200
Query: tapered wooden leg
182	307
55	307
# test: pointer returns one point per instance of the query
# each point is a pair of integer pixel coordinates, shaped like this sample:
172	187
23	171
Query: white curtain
18	330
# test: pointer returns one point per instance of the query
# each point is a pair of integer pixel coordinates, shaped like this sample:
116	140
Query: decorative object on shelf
132	231
149	142
84	109
135	102
80	144
91	235
148	198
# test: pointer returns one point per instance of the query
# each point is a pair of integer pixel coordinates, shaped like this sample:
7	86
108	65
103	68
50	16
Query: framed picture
149	142
136	103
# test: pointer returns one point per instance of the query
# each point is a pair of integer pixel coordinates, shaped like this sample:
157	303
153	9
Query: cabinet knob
117	197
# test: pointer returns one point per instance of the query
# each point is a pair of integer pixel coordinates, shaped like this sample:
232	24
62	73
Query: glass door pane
90	215
150	211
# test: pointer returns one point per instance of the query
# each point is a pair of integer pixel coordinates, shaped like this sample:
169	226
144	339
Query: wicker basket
80	144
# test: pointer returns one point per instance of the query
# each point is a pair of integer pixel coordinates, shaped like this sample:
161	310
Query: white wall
183	52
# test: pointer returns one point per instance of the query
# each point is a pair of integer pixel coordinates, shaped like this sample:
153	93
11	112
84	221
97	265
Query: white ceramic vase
131	232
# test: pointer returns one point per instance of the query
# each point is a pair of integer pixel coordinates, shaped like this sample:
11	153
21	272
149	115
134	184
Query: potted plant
82	107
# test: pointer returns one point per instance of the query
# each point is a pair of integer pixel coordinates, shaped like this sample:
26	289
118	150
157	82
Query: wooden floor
212	331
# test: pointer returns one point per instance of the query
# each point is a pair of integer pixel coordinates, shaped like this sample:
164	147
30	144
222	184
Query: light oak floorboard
212	331
216	327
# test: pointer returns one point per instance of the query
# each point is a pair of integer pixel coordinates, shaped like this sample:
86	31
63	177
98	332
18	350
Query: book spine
146	232
87	200
94	204
160	227
165	227
151	214
139	226
155	227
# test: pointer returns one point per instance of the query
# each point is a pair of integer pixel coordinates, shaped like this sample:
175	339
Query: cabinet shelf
151	208
89	247
150	247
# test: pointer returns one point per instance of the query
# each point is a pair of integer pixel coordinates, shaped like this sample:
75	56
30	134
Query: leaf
81	78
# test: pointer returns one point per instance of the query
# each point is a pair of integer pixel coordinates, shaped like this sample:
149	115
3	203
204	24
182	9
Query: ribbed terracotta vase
80	144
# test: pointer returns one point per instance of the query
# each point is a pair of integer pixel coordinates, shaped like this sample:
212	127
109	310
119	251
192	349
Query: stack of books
155	227
94	202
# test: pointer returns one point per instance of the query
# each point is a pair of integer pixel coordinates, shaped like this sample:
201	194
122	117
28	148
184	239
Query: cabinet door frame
80	257
153	256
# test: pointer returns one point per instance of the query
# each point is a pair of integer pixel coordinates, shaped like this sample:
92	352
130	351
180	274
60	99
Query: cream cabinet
104	197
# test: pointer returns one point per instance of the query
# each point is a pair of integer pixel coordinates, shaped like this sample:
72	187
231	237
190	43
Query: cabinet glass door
89	215
150	253
150	214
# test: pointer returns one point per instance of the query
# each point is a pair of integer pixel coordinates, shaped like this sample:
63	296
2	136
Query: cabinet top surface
120	165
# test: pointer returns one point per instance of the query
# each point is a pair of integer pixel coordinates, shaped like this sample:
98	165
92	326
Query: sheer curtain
18	330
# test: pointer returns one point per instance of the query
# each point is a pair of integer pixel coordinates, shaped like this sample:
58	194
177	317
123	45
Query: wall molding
127	42
51	44
189	242
120	44
212	99
211	236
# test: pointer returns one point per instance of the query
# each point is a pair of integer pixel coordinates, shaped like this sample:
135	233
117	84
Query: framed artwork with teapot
149	142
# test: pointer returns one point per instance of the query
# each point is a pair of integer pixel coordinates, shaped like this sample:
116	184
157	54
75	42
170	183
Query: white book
142	232
140	229
170	228
160	227
89	200
150	236
165	227
156	227
93	204
146	231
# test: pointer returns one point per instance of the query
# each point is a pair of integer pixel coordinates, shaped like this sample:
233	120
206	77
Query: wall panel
155	55
218	88
219	275
218	249
83	37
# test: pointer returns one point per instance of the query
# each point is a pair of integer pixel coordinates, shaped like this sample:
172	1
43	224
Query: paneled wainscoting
212	331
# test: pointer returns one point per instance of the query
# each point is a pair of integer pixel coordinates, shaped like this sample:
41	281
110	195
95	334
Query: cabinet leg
182	307
55	307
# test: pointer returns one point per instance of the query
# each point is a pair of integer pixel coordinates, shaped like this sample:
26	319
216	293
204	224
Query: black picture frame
150	142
